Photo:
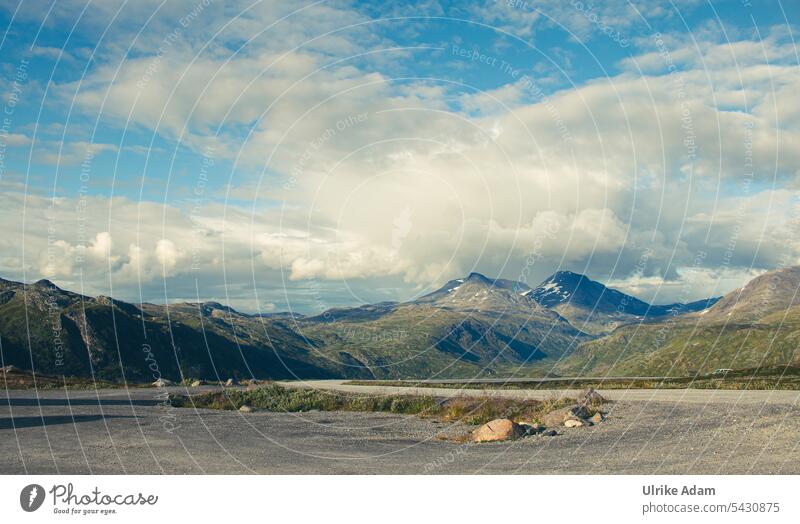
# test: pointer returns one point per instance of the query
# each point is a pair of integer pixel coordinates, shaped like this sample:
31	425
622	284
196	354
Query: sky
299	156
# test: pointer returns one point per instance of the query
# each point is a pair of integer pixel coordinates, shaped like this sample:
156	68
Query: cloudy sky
302	155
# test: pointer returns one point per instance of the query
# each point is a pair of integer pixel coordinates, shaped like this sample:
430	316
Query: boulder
162	383
597	418
246	409
531	428
590	397
557	417
498	429
573	423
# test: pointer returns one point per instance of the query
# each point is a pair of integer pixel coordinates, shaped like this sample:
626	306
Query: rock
531	428
550	433
197	383
246	409
9	369
230	382
557	417
498	429
162	383
573	423
590	397
597	418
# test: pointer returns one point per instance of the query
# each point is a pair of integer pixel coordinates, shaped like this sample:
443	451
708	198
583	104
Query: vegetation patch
12	378
468	410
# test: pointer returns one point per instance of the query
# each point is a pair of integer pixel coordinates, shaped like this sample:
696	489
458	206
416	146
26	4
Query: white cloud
419	180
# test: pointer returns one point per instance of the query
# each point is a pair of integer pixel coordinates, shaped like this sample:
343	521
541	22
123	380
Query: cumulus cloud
354	174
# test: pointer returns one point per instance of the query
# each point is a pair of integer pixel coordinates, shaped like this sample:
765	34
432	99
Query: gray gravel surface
119	431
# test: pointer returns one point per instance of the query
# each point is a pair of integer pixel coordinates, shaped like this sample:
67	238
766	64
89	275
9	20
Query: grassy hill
752	327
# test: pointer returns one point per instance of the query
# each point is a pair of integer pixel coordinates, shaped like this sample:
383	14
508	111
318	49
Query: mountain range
472	326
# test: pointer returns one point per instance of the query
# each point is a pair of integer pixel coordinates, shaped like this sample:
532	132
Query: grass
27	380
467	410
774	378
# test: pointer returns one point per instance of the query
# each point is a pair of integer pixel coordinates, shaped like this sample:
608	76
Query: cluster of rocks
231	382
578	415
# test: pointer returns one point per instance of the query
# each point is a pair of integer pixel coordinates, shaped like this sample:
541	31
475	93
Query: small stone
573	423
590	397
162	383
557	417
496	430
230	383
246	409
597	418
197	383
550	433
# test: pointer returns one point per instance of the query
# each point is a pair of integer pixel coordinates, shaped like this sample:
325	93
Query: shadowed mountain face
58	332
472	326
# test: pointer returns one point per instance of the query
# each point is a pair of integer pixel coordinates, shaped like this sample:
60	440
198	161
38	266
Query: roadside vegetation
782	378
462	409
12	378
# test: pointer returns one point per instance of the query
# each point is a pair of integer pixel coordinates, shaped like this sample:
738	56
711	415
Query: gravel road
131	431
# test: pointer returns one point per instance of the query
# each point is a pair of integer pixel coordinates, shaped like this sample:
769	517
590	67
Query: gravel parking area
120	431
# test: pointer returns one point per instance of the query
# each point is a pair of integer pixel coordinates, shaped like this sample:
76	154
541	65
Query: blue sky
292	155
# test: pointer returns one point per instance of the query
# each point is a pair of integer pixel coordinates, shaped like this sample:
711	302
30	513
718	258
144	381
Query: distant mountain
477	292
755	326
595	308
472	326
451	332
54	331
